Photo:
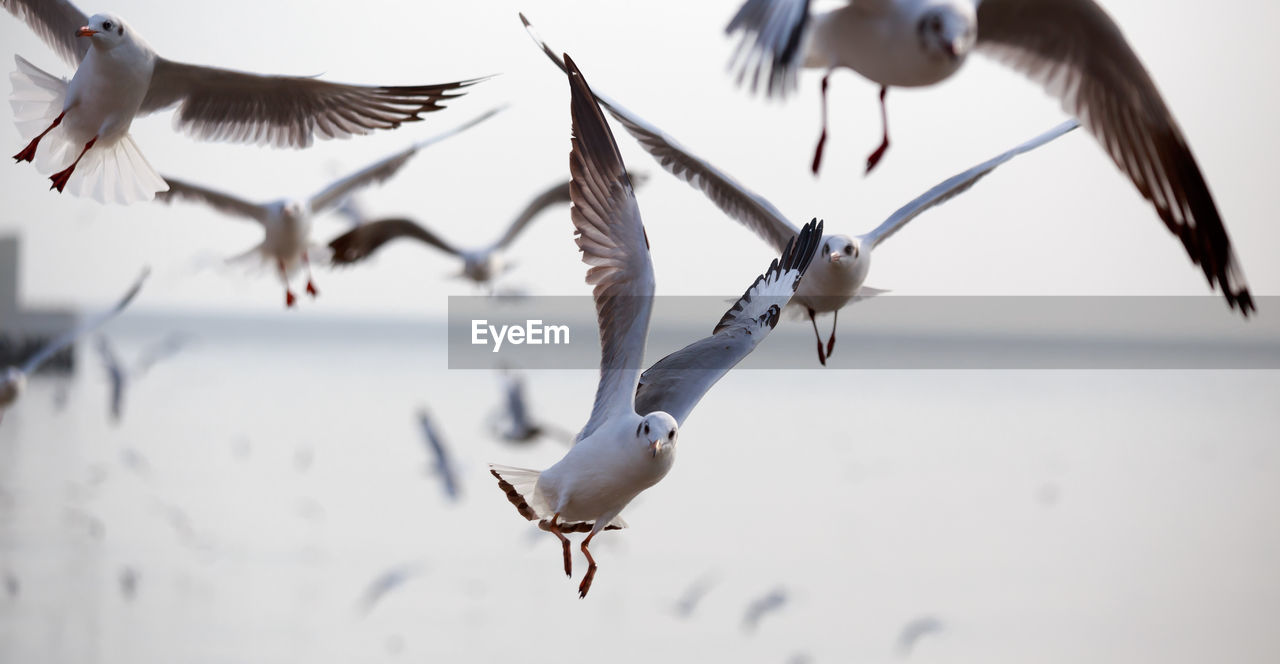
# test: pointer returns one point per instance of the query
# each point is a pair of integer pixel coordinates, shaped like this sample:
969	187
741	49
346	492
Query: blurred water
264	477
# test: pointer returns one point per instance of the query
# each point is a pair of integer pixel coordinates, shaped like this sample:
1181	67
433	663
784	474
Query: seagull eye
671	436
106	25
826	248
646	427
848	250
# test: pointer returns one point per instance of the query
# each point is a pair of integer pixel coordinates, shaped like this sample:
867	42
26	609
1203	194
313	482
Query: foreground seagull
481	265
443	461
14	379
835	280
121	376
119	77
1072	47
287	221
628	443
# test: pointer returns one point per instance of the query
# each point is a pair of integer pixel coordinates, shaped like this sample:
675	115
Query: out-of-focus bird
771	602
385	582
121	376
443	461
693	595
515	424
915	630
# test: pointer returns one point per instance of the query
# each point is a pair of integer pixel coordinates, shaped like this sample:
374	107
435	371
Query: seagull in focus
518	426
838	275
121	376
628	444
481	265
1071	47
388	580
14	379
758	609
287	222
443	461
913	631
119	77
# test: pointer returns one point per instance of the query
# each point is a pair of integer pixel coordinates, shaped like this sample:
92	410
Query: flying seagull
443	462
628	443
121	376
286	222
762	606
913	631
14	379
835	280
118	77
1071	47
518	425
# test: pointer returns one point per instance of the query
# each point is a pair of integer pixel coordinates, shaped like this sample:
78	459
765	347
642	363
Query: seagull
913	631
120	376
519	427
1071	47
287	221
443	462
693	595
835	280
118	77
14	379
628	443
387	581
761	607
481	265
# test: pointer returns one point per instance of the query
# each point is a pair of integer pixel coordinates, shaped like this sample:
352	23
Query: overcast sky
1060	221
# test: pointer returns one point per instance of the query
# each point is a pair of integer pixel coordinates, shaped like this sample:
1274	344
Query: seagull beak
655	447
86	31
836	256
952	48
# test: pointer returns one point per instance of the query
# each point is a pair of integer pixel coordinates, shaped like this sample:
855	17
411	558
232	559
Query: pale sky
1062	220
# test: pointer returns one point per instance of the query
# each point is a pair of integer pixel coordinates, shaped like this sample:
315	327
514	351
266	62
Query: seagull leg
591	567
822	139
311	286
564	542
289	299
822	357
884	142
28	153
60	178
831	343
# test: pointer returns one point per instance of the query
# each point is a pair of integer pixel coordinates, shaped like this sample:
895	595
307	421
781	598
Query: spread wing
769	50
612	239
222	202
362	241
677	382
89	325
285	111
556	194
1077	52
54	21
955	185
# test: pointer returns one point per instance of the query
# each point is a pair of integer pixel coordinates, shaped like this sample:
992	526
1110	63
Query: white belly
104	96
828	287
884	49
602	474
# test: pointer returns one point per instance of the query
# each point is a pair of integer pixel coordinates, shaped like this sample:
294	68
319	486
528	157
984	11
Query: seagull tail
520	485
37	98
116	173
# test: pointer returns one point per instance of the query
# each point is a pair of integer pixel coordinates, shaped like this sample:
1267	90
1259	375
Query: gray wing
385	168
222	202
736	201
444	465
773	32
56	22
677	382
613	242
115	374
1077	52
160	351
362	241
89	325
955	185
556	194
517	410
284	111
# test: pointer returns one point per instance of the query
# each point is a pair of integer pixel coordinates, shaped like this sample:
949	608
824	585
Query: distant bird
915	630
119	77
693	595
388	580
11	584
516	424
481	265
628	444
121	376
128	583
1071	47
443	465
286	222
14	379
838	277
771	602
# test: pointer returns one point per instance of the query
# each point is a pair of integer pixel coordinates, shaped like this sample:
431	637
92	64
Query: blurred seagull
287	221
443	463
120	375
1071	47
693	596
913	631
770	603
119	77
628	443
388	580
837	278
481	265
519	427
14	379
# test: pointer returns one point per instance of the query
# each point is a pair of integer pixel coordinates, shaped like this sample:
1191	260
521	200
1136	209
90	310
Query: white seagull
628	443
835	280
287	222
1071	47
14	379
118	77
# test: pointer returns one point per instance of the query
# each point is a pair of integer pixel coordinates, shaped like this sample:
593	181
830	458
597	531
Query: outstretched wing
362	241
738	202
1077	52
955	185
677	382
558	193
54	21
769	51
89	325
220	201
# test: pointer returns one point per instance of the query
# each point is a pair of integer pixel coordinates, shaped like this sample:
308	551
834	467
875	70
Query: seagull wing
362	241
773	32
1077	52
677	382
558	193
381	170
89	325
436	444
56	22
160	351
955	185
284	111
222	202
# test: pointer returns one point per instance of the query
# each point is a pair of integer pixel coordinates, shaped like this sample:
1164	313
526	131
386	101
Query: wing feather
56	22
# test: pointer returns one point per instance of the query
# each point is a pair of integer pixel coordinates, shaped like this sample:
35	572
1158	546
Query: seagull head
104	30
947	31
658	432
841	251
11	384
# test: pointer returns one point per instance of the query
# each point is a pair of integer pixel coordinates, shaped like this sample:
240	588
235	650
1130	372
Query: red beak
86	31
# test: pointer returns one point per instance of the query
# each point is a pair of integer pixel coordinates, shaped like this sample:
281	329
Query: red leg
289	299
60	178
831	343
591	568
311	286
822	357
28	153
884	142
822	140
564	542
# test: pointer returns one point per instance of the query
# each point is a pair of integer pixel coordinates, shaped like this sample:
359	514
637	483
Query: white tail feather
37	98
